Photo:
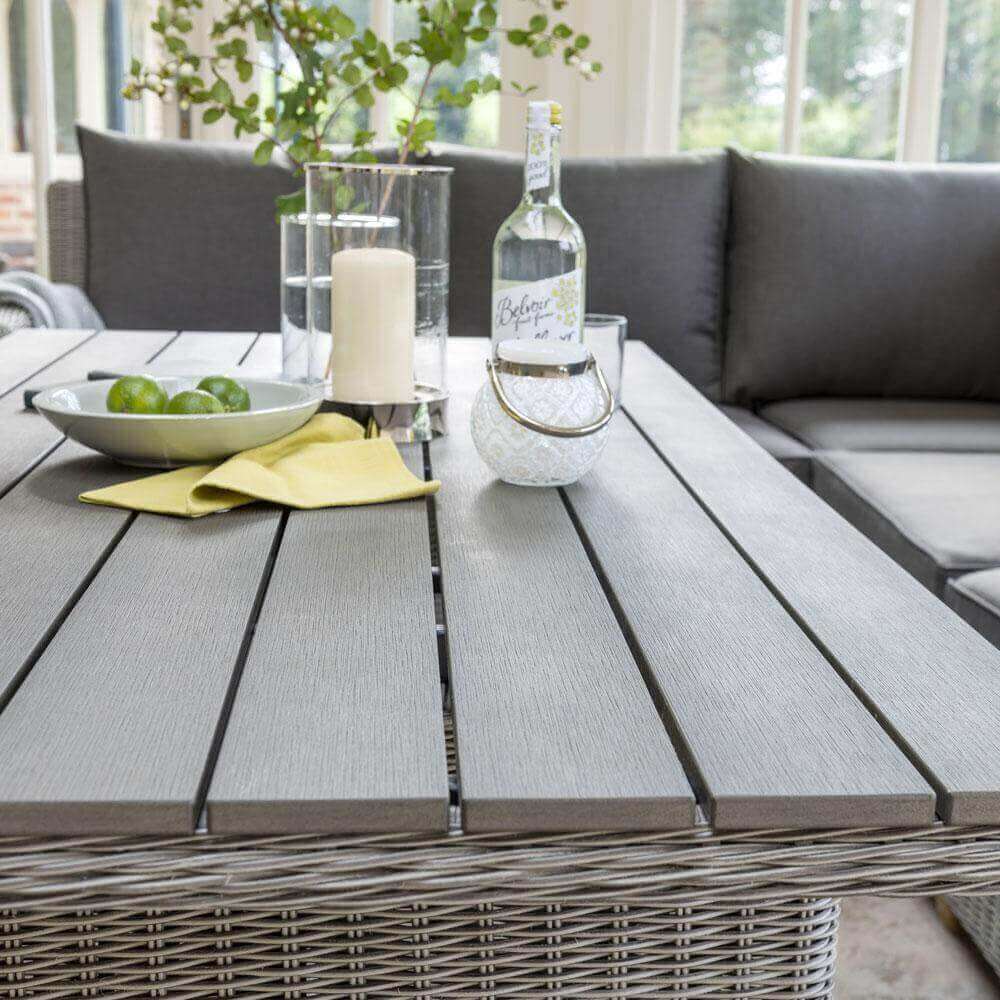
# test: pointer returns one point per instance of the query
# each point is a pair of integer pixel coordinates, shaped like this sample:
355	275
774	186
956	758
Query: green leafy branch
337	69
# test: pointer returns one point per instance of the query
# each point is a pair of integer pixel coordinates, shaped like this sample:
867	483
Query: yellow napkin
325	463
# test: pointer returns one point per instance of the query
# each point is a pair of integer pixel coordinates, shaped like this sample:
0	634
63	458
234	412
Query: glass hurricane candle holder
377	293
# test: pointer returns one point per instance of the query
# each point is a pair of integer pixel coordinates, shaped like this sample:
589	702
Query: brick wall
17	211
17	222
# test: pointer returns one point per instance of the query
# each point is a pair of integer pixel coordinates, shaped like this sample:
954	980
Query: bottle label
550	309
538	172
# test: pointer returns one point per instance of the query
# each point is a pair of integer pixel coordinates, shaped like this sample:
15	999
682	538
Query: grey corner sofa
846	315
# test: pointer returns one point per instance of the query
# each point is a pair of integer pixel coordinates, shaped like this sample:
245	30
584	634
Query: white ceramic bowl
164	441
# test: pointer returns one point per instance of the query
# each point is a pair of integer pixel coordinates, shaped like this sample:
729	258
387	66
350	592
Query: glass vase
376	282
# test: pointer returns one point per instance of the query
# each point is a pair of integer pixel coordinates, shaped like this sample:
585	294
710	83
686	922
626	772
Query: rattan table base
690	914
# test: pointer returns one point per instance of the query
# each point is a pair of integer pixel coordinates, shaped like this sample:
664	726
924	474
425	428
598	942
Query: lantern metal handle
552	429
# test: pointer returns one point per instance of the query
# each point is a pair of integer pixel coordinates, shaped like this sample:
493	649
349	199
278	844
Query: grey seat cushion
181	235
976	597
655	231
862	279
935	513
792	454
889	424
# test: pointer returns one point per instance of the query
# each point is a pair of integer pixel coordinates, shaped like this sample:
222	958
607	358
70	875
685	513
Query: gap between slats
237	675
802	624
444	658
680	744
49	364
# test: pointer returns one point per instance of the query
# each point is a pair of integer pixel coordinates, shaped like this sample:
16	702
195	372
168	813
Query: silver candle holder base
421	419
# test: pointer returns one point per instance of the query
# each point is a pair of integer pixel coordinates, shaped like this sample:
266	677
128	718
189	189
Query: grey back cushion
181	234
862	279
655	231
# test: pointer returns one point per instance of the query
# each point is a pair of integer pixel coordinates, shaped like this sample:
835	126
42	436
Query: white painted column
41	96
6	97
88	36
923	80
796	52
666	122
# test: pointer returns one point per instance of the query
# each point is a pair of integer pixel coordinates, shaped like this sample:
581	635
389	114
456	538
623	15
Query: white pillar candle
373	314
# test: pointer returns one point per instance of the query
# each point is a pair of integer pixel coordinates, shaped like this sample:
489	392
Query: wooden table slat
27	435
777	737
930	679
338	723
24	353
555	727
111	730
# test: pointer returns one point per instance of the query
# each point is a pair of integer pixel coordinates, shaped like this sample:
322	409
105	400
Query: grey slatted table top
686	628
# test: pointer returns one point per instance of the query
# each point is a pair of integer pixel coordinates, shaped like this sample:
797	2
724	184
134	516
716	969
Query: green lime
194	401
136	394
233	396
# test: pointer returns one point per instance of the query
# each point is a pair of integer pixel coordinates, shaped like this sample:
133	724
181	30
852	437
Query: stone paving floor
898	949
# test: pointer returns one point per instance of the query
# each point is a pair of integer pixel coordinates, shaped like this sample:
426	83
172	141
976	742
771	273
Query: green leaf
262	154
212	115
517	37
398	74
342	198
562	31
488	16
582	41
538	23
479	34
489	83
220	92
369	40
135	68
542	49
351	75
244	70
262	28
290	204
364	96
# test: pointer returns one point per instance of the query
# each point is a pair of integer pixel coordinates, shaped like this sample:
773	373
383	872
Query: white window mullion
41	97
670	35
923	81
6	98
796	51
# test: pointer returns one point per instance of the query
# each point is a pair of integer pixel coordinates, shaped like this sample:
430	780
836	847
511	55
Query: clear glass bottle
539	255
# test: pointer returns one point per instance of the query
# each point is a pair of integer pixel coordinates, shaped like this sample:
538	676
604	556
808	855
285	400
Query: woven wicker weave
67	233
980	916
689	914
13	318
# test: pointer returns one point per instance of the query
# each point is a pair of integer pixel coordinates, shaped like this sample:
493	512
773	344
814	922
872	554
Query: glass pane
970	107
126	35
476	125
732	74
854	67
282	63
63	44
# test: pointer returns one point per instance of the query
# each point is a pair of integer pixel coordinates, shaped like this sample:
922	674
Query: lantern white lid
542	352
